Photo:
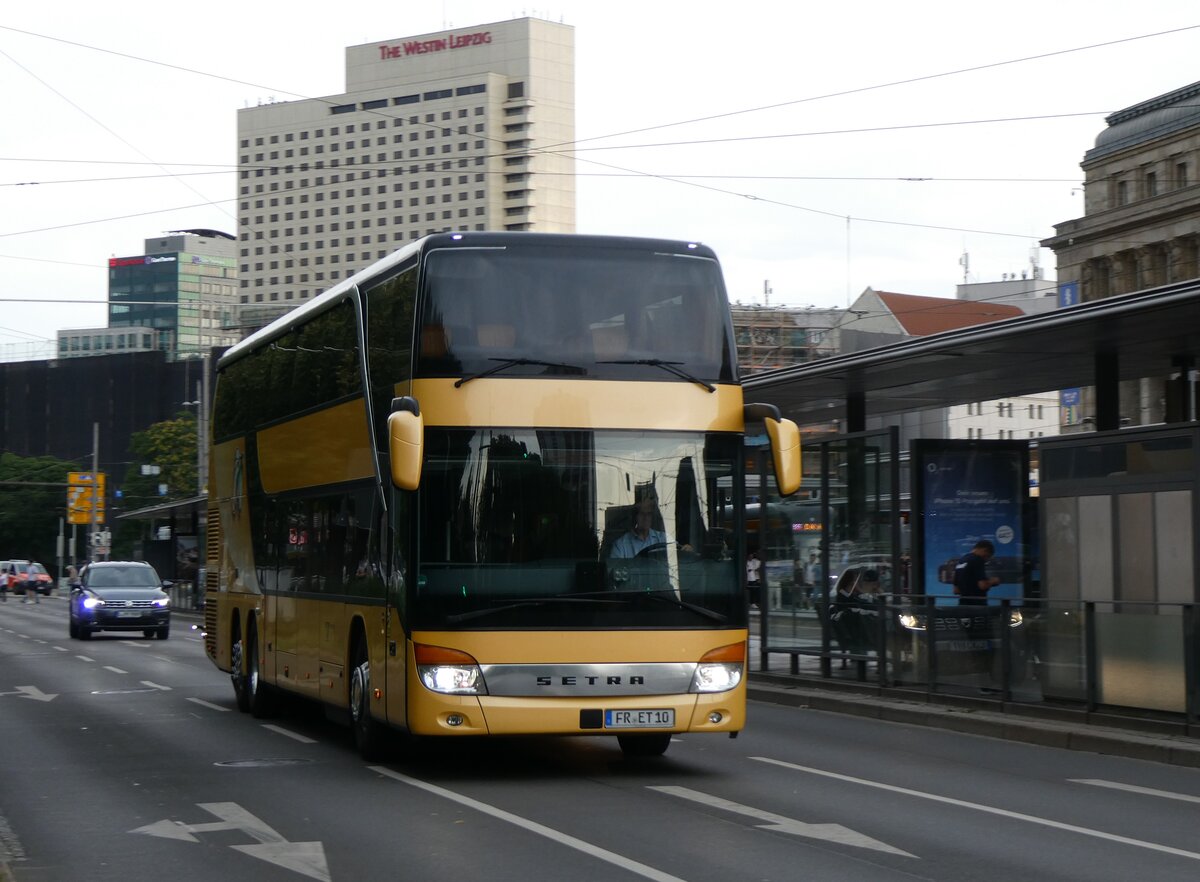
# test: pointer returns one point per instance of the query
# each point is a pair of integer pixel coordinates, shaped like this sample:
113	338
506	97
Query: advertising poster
964	491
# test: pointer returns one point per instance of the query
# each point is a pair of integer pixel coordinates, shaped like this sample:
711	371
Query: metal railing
1115	654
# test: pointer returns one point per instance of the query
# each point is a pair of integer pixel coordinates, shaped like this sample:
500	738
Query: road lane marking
824	832
1132	788
533	827
62	649
84	658
32	692
115	670
1004	813
210	705
305	858
303	739
154	685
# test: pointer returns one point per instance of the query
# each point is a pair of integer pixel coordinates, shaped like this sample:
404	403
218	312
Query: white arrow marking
305	858
825	832
1133	788
31	692
1003	813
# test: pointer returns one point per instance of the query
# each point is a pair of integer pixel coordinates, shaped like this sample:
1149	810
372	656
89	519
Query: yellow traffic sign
85	493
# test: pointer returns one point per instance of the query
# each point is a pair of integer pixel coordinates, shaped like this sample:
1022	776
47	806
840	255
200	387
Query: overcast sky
825	148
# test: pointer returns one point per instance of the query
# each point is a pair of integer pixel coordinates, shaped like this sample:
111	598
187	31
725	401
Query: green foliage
170	445
30	510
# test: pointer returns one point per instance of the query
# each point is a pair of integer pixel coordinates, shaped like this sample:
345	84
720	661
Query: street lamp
201	405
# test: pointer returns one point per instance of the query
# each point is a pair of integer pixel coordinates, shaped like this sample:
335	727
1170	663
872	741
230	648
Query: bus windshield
612	313
552	528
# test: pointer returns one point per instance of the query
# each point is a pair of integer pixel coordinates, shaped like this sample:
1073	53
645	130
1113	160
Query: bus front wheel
644	745
369	736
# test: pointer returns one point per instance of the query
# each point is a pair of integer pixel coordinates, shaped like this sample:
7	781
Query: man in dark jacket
971	579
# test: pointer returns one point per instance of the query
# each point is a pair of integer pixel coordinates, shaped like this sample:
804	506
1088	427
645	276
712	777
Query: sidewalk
1071	728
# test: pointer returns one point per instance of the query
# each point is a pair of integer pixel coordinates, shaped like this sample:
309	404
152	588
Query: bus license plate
661	718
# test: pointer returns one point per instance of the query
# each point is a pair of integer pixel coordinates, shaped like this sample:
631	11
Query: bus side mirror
784	436
785	447
406	442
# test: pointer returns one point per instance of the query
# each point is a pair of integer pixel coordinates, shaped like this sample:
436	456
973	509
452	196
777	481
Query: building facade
1140	229
770	337
1141	223
454	130
84	342
182	290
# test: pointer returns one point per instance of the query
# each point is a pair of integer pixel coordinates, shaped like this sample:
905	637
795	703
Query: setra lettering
591	680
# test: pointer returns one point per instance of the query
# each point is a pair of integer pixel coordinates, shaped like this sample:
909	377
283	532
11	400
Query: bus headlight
721	669
449	671
1015	618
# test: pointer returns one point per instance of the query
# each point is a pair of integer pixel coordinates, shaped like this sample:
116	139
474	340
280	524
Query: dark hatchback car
119	595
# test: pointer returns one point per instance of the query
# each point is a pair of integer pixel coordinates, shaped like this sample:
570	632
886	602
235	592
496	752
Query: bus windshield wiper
669	366
506	363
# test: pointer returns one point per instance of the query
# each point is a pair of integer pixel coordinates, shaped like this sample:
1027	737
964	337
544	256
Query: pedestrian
971	579
812	576
31	586
853	613
753	568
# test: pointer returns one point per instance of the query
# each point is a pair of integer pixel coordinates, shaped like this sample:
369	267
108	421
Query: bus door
395	532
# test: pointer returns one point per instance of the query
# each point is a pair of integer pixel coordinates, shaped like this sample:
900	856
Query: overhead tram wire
840	216
877	86
226	169
115	134
551	148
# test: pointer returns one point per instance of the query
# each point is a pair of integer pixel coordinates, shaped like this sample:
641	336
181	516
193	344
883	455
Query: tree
33	497
169	448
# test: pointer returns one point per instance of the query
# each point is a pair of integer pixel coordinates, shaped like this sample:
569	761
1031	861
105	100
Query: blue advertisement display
965	492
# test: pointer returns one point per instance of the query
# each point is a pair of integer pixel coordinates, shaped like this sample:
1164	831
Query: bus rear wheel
644	745
253	695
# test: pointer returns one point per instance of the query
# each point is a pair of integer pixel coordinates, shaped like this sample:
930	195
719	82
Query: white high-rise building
454	130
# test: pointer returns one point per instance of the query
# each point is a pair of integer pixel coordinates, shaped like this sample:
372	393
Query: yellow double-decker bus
491	485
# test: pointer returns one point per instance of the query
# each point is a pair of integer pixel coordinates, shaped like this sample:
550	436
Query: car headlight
162	601
449	671
721	669
92	602
912	622
1015	618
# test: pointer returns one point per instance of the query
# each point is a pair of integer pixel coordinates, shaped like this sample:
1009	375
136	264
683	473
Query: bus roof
338	292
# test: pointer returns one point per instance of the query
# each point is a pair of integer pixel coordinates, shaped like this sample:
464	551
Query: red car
18	573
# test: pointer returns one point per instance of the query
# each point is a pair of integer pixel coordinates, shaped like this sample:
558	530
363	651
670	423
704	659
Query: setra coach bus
491	485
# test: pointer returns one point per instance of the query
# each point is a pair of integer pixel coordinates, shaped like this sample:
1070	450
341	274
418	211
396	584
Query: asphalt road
125	758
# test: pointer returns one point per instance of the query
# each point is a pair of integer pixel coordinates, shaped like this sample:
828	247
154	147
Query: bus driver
642	534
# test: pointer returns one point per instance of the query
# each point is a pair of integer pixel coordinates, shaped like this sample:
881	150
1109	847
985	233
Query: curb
1177	750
